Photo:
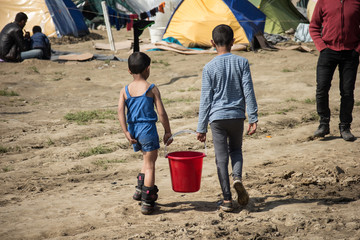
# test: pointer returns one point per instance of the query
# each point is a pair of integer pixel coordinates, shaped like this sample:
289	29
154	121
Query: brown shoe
242	195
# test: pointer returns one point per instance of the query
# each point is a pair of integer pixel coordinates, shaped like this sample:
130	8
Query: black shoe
226	206
322	130
140	184
147	207
150	193
345	132
137	194
148	197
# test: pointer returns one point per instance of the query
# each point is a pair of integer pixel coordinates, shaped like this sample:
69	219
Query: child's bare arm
122	118
162	114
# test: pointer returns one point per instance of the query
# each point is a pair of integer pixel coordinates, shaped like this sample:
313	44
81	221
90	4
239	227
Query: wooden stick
108	27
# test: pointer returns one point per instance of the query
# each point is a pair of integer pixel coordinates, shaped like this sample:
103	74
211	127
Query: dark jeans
227	138
348	62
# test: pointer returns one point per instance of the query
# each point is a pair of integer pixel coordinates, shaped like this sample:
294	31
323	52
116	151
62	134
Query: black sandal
226	206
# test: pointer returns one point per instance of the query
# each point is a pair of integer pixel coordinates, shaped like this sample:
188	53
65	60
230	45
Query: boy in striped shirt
226	92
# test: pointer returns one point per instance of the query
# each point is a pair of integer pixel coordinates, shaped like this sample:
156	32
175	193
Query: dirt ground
65	179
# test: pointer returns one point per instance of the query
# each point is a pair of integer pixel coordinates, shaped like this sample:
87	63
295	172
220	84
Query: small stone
339	170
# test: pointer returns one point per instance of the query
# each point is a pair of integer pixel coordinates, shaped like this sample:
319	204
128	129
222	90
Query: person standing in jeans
334	28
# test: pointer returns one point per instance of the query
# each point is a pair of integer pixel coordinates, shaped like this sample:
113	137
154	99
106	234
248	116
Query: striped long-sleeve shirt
226	91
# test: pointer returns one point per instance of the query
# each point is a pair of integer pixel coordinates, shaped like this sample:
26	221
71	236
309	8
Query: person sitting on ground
41	41
14	46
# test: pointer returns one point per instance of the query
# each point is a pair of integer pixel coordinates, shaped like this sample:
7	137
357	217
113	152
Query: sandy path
300	187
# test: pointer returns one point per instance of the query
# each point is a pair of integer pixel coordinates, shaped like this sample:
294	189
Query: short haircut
138	62
20	16
36	29
222	35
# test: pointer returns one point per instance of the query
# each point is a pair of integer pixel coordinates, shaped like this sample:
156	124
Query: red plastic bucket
185	170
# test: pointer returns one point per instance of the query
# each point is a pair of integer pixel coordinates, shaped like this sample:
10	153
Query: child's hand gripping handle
180	132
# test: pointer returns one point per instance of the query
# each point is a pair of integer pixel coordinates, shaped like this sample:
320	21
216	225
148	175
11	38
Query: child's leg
222	156
235	132
149	190
149	167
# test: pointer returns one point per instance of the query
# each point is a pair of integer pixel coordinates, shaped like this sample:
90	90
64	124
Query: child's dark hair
138	62
36	29
222	35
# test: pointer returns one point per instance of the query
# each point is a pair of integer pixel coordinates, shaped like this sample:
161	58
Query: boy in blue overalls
139	97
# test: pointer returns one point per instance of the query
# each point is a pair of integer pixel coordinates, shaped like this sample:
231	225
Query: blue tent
67	18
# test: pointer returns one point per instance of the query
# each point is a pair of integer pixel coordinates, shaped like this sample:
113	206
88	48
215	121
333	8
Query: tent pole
108	27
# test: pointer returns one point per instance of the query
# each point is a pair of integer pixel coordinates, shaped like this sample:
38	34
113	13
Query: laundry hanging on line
120	20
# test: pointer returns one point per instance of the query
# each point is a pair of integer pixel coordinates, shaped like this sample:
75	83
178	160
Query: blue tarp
67	18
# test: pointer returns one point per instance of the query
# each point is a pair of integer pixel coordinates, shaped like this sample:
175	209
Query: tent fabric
193	21
95	6
302	3
67	18
37	12
281	15
122	6
55	17
275	38
302	33
310	9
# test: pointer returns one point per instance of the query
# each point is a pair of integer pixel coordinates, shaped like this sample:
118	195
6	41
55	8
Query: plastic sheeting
275	38
123	6
161	20
302	33
55	17
140	6
67	18
37	12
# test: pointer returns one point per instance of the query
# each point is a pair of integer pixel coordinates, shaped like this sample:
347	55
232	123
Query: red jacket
340	20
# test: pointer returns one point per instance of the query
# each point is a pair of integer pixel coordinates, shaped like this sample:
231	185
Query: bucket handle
180	132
